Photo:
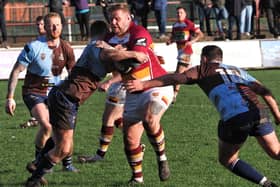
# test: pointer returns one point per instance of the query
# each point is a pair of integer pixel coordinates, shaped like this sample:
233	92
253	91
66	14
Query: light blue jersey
90	60
228	97
37	57
226	86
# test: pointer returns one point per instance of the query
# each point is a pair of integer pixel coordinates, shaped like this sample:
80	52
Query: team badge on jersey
61	57
43	56
141	42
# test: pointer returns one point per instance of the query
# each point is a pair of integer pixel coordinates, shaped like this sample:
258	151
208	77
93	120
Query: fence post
69	29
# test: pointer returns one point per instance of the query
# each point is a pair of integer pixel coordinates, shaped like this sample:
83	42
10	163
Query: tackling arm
169	79
118	55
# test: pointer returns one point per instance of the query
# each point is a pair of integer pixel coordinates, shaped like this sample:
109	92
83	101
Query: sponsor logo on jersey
61	57
43	56
141	42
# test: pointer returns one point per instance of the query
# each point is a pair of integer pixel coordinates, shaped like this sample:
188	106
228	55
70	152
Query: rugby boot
31	167
269	184
36	182
70	168
134	182
90	159
163	170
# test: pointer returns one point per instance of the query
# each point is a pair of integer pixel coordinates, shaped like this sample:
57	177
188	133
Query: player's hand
10	106
134	85
103	87
120	47
103	44
141	57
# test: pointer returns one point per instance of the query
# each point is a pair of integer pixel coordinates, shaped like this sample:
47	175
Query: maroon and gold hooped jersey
138	39
181	33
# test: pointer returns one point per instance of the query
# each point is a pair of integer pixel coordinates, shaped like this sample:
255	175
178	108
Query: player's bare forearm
118	55
169	79
13	79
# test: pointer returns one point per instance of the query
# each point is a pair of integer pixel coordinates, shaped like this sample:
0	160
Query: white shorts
183	57
135	104
116	94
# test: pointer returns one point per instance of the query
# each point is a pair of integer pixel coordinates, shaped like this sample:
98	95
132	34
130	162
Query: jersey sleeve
248	79
27	55
191	25
140	41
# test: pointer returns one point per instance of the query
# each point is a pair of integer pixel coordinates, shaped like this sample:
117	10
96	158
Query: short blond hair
119	6
49	16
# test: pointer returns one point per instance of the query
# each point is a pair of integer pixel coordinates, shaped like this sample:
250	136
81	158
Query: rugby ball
126	66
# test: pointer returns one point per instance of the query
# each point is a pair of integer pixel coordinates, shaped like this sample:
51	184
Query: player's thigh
270	144
156	101
41	113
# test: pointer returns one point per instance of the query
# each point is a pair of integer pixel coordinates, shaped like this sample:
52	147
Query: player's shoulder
36	45
65	43
138	30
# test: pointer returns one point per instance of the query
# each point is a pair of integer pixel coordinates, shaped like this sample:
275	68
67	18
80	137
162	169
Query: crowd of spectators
217	19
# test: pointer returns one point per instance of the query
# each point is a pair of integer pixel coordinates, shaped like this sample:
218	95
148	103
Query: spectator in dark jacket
82	15
204	8
105	4
3	24
57	6
234	8
272	9
140	10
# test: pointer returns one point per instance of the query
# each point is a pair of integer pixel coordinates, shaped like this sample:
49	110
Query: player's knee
275	154
225	162
64	151
46	127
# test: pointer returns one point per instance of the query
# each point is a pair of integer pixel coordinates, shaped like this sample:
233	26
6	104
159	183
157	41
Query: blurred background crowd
217	19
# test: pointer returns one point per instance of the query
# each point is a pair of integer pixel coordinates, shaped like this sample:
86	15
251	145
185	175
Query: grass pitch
191	140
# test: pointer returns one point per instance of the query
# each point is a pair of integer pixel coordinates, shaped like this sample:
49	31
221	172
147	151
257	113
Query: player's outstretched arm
169	79
118	55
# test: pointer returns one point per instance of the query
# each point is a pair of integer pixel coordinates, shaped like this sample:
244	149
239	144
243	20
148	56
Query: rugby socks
48	146
67	161
104	140
158	142
246	171
45	164
135	158
37	152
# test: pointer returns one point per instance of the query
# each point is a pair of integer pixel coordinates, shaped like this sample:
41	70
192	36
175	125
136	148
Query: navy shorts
31	100
251	123
63	111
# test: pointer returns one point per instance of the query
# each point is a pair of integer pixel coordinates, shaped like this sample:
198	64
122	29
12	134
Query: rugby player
65	98
44	60
142	111
234	93
182	31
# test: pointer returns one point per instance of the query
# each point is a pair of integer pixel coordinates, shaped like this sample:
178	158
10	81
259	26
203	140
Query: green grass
190	129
